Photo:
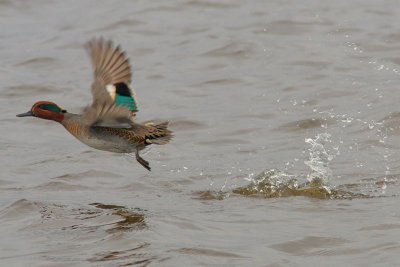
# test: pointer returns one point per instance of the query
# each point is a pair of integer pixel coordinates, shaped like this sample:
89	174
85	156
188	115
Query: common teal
109	122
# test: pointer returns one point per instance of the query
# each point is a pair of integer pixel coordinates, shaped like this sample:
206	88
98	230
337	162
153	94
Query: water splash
319	158
274	183
270	183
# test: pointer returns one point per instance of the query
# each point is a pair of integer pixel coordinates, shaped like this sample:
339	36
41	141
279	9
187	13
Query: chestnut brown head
45	110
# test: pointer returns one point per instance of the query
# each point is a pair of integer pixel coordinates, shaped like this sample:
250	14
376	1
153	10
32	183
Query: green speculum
126	101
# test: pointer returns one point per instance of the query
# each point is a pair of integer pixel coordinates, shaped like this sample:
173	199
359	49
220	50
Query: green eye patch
51	107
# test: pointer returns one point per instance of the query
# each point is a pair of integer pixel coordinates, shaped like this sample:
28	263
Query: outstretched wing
112	74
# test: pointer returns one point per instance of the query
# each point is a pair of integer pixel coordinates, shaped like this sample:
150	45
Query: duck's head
45	110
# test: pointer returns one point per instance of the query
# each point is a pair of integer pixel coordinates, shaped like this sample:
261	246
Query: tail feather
158	133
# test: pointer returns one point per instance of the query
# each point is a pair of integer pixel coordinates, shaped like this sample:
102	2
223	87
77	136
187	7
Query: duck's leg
142	161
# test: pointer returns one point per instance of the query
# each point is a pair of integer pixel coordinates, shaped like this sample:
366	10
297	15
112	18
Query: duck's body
108	124
119	140
102	138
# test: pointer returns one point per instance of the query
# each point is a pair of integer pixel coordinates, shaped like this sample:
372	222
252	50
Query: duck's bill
26	114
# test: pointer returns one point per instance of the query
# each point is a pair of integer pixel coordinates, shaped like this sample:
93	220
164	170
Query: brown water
287	135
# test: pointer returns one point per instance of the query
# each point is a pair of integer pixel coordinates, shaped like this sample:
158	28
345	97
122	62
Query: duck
109	122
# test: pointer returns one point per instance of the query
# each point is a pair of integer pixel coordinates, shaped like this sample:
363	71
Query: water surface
286	135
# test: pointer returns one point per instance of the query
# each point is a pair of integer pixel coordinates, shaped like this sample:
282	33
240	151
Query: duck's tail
158	133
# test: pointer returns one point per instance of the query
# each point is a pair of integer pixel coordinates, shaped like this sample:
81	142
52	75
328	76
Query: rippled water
287	130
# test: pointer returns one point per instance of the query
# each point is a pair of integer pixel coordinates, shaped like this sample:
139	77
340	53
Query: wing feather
110	67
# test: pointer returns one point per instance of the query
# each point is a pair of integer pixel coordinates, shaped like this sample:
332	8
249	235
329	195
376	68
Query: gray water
264	97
